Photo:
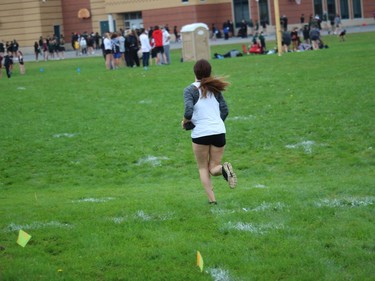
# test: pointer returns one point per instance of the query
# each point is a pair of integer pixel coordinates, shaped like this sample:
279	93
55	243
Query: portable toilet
195	42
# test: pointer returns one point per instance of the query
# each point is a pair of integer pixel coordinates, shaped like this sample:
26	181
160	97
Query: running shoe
229	175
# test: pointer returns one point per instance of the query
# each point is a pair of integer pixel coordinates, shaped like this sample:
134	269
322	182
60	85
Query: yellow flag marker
23	238
199	261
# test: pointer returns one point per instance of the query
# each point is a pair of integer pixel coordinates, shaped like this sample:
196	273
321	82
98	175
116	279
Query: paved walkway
233	40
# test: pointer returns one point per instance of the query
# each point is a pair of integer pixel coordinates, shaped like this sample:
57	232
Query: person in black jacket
8	63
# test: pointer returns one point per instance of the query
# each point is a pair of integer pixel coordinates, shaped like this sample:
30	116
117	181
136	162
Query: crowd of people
132	47
305	37
308	36
8	52
136	47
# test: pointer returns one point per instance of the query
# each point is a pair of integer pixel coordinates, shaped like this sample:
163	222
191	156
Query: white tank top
206	116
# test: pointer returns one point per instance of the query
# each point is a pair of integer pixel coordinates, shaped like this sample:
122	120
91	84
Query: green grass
94	165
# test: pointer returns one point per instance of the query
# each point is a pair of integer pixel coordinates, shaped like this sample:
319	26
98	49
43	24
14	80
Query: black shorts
215	140
159	49
153	53
107	52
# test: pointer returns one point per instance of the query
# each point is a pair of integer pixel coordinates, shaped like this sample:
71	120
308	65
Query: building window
331	7
357	9
241	11
263	12
344	9
318	8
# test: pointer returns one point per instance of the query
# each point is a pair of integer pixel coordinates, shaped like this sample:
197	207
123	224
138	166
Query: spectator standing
146	48
21	62
107	46
226	32
306	34
214	31
133	48
302	20
36	50
97	39
62	47
284	22
8	63
337	23
166	45
15	47
262	41
157	35
83	45
295	39
315	38
243	29
121	40
176	35
2	51
45	49
90	44
76	46
286	40
51	48
231	28
116	50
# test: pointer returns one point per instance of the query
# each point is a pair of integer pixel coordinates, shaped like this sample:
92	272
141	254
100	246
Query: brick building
26	20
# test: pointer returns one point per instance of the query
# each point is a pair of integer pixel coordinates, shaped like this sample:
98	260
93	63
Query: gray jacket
191	97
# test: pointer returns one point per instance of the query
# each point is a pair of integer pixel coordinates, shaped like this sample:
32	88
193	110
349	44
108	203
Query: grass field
95	167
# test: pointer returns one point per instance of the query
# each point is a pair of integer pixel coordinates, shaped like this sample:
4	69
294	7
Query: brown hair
215	85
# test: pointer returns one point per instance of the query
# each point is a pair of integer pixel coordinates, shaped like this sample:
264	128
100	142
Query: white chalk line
252	228
219	274
277	206
94	200
260	186
152	160
143	216
64	135
307	146
346	202
36	225
145	102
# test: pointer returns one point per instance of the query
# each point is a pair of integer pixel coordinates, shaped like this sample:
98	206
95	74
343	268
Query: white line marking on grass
21	88
252	228
219	274
346	202
145	102
146	217
306	145
220	212
94	200
143	216
153	160
266	206
118	220
36	225
260	186
64	135
242	118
